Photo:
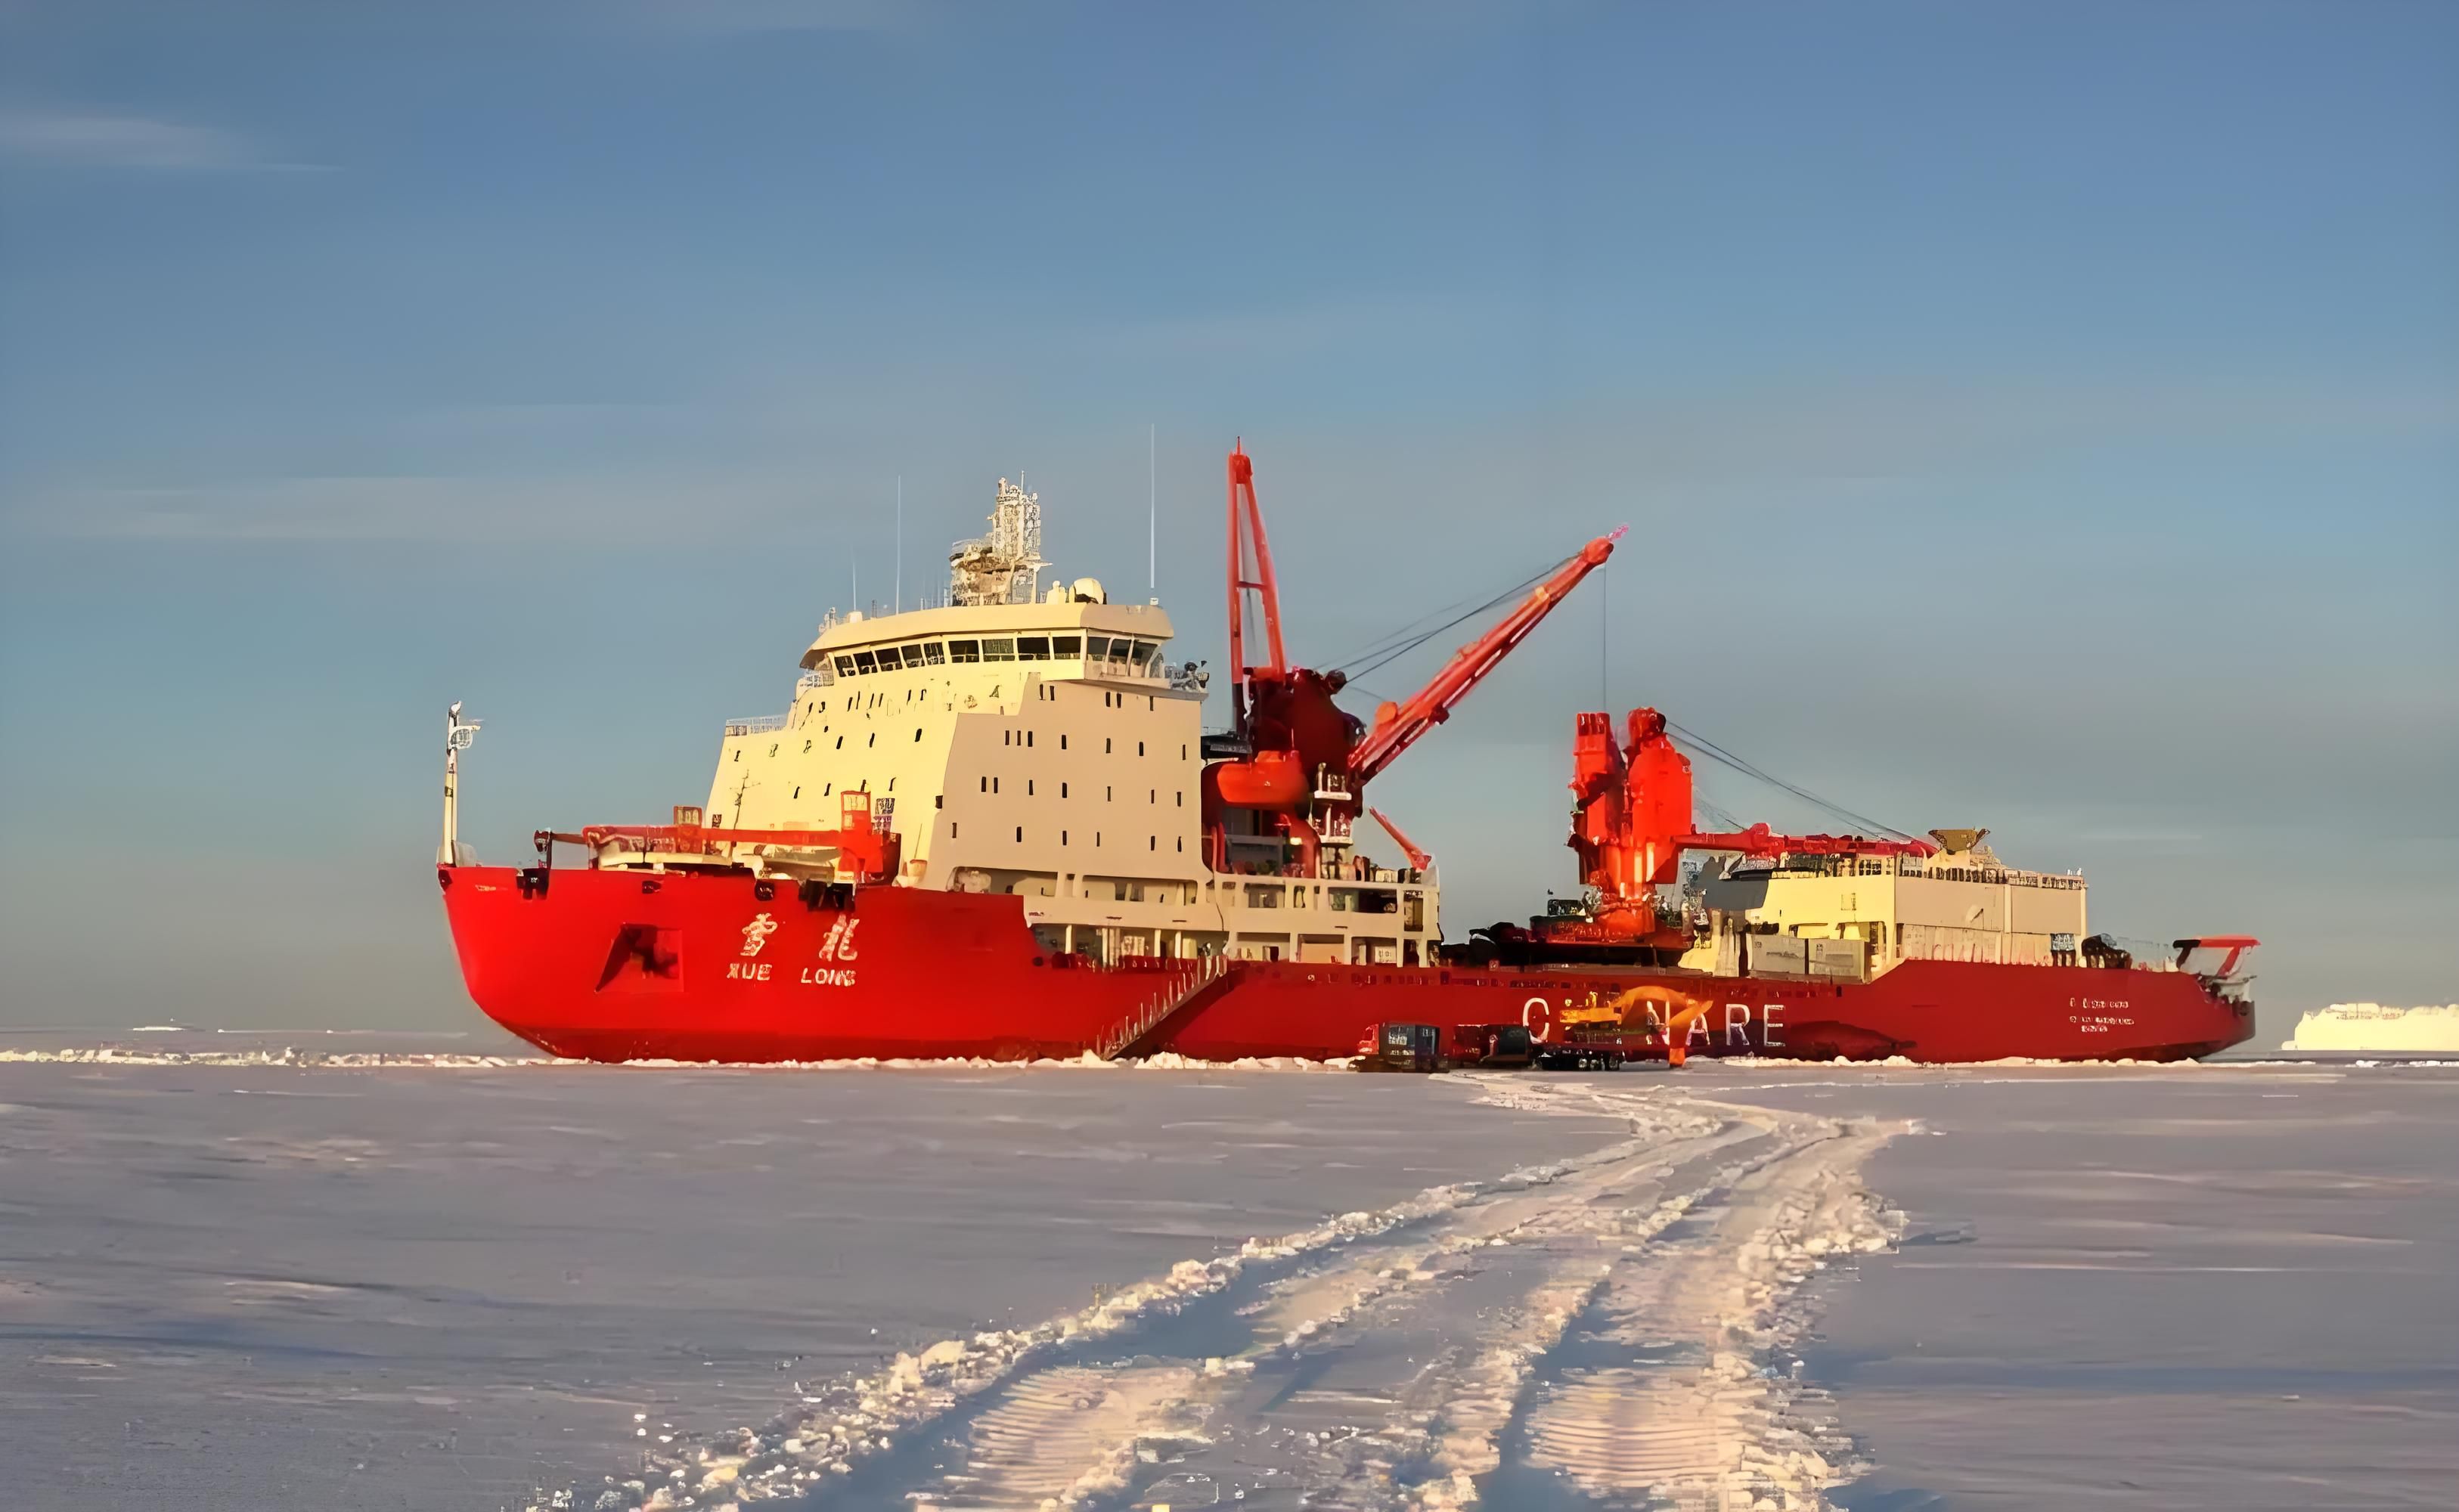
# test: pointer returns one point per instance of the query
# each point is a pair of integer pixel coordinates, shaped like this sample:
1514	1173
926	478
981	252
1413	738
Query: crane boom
1247	544
1416	858
1399	726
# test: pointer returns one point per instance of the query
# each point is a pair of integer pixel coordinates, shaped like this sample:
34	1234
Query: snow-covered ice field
2208	1287
456	1284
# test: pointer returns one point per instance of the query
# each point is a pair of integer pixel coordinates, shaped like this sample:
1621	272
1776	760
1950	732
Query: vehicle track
1592	1333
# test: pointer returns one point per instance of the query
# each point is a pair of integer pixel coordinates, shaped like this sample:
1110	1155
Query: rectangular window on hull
964	650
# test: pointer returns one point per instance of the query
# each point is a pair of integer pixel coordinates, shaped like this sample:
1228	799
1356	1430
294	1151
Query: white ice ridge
2429	1029
1594	1250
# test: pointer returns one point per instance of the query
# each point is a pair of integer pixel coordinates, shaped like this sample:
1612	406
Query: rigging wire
1401	642
1702	746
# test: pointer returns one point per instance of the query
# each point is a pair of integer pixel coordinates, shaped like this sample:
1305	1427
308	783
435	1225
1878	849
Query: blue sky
2042	418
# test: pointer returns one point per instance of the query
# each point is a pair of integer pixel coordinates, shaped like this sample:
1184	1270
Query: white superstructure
1037	741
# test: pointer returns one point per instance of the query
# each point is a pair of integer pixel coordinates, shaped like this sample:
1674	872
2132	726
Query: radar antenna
1004	566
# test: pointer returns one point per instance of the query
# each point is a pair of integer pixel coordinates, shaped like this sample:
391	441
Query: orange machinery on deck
1292	755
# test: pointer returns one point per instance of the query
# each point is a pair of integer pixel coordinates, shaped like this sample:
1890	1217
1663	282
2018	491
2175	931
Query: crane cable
1400	642
1701	744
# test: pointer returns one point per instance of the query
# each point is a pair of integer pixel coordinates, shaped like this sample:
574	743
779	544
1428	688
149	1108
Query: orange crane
1630	823
1416	858
1294	761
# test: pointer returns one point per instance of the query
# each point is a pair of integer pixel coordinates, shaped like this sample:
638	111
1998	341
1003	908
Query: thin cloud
460	509
97	138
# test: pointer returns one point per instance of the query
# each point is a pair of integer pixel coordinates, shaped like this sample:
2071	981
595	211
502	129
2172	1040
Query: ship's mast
992	569
458	733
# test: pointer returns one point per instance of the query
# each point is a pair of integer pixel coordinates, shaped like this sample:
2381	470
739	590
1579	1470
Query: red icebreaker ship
994	826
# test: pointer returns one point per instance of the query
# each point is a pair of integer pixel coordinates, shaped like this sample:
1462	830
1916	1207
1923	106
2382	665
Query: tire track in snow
1695	1420
842	1424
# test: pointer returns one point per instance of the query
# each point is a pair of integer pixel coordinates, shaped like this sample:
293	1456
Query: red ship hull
620	965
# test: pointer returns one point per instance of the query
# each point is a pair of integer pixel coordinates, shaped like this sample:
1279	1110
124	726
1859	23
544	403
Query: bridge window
1097	648
1033	648
964	650
865	663
1003	649
933	653
845	667
1067	647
